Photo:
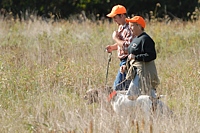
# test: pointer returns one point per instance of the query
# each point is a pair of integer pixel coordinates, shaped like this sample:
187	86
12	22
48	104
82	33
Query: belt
124	59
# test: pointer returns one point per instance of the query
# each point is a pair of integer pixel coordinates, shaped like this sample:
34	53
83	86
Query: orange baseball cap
137	19
118	9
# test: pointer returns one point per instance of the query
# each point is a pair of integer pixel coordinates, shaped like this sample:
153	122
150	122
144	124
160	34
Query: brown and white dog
123	104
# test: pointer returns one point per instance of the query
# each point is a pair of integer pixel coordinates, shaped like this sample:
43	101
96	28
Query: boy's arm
110	48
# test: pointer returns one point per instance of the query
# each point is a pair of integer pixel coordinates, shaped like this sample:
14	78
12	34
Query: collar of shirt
121	27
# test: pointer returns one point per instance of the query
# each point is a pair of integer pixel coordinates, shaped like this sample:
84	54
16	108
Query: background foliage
183	9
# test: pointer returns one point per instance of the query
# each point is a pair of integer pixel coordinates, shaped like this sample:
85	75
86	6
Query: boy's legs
118	85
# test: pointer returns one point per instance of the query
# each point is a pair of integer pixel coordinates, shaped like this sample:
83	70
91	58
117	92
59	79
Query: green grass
45	70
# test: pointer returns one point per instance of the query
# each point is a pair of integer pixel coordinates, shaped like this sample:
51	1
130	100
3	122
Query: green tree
98	8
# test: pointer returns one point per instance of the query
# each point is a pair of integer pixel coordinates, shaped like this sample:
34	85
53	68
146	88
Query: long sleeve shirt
143	47
125	34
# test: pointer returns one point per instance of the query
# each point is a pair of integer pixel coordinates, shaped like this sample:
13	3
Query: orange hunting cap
137	19
118	9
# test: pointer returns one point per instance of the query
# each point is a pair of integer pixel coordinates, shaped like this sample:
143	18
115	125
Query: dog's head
91	96
94	95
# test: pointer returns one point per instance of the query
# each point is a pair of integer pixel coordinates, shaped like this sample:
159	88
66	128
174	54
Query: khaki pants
145	80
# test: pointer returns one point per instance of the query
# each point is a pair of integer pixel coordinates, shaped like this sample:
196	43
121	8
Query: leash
121	82
109	60
108	64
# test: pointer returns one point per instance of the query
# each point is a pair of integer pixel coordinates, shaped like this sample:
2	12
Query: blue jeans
118	85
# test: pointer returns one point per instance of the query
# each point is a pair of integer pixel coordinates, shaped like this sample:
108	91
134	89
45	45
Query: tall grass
45	69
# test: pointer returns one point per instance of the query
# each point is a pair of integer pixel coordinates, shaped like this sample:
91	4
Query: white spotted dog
123	104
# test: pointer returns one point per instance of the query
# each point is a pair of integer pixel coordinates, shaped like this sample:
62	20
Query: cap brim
130	20
111	15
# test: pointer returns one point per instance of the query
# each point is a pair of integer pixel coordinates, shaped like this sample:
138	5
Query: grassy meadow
46	68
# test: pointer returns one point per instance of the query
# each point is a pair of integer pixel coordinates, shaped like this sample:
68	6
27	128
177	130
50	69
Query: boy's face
119	19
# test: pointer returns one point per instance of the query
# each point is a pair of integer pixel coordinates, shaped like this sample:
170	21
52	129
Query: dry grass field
46	68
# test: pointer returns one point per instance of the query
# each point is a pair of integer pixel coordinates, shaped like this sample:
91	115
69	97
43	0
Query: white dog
123	104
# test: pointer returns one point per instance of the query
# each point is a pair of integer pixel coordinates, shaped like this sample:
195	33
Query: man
142	54
122	38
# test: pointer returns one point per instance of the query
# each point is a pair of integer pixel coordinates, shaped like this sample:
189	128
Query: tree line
63	9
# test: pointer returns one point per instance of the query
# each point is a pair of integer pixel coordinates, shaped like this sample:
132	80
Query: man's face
134	27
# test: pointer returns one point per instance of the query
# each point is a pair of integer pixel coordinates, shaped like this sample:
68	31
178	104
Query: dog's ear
96	93
113	94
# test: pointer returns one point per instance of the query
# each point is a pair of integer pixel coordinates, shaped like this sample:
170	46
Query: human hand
109	49
131	56
122	69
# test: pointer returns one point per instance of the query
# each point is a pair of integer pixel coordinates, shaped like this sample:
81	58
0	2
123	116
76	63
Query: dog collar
112	95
